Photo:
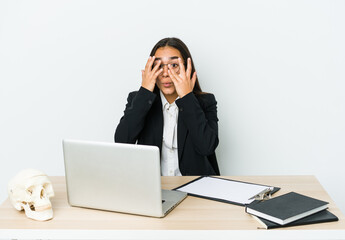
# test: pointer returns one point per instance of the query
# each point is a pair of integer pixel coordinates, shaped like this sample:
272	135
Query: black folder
320	217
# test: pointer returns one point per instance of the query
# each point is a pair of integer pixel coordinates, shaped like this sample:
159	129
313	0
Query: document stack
290	209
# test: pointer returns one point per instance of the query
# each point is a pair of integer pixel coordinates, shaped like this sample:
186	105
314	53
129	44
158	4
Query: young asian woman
170	111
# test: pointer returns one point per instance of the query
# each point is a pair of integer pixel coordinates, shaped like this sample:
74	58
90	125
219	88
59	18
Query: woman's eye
174	65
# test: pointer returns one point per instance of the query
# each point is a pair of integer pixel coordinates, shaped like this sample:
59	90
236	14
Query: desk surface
192	214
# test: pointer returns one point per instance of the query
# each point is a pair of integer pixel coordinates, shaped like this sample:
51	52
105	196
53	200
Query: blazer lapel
158	121
181	136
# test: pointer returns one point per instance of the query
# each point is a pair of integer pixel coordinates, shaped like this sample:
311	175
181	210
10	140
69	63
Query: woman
170	111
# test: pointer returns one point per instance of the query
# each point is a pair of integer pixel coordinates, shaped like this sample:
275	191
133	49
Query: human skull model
30	190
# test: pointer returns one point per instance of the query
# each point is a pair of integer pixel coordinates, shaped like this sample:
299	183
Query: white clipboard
225	190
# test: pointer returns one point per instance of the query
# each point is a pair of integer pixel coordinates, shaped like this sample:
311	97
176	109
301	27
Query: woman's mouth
167	84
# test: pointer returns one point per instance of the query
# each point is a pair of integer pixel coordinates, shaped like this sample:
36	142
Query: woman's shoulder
142	92
133	93
206	100
206	97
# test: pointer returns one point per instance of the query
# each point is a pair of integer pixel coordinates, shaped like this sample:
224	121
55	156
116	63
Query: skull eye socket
42	193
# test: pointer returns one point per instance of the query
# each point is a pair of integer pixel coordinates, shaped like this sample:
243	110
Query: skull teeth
41	215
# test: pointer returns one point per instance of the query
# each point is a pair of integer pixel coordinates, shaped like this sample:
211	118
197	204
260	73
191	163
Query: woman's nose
165	70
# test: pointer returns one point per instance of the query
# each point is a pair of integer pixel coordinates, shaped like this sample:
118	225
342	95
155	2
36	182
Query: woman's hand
183	81
149	75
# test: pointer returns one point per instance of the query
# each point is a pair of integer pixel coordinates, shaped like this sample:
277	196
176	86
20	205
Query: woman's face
167	55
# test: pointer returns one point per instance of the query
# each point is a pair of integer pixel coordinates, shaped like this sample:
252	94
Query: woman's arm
138	105
201	121
131	124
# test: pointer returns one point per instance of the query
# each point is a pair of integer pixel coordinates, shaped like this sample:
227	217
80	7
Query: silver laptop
117	177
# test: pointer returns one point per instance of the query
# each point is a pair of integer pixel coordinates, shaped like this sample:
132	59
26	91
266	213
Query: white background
275	67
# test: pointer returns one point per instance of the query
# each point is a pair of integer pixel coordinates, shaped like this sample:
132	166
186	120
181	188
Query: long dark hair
179	45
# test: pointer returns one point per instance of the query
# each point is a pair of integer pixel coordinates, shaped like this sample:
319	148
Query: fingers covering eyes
189	67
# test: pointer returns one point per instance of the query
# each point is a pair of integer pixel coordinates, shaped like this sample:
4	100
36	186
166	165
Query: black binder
320	217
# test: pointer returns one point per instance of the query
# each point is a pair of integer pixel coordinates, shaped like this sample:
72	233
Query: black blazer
197	128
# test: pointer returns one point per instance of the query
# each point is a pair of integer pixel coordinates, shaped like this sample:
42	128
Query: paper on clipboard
224	189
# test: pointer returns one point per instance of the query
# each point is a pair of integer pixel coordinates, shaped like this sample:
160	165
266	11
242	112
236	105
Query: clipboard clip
263	195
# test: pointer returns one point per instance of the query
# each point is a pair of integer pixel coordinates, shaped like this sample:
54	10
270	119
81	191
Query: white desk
194	218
